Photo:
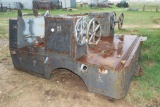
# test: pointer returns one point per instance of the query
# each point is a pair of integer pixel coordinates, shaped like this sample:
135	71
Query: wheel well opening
69	79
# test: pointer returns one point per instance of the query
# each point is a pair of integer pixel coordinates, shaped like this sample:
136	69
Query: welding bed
84	44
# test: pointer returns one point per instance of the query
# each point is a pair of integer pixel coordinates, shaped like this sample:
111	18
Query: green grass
147	87
144	90
149	6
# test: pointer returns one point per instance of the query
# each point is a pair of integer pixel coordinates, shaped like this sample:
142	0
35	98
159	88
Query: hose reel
80	30
91	32
87	32
119	21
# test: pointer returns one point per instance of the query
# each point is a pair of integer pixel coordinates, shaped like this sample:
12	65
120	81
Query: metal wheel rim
91	35
120	21
80	31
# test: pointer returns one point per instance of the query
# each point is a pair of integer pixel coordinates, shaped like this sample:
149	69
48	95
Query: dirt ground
64	89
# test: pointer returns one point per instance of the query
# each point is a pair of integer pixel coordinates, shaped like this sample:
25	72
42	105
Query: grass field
149	5
145	90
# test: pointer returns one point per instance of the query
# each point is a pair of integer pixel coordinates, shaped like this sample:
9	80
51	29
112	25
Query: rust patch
41	44
127	54
73	47
110	52
81	14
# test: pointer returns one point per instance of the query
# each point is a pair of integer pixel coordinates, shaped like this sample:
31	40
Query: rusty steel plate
106	63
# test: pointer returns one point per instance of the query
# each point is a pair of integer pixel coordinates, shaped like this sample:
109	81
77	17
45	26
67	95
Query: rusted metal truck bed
115	61
105	61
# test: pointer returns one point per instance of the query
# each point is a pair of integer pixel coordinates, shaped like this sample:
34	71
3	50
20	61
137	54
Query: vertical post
17	5
144	8
157	9
9	7
1	7
65	3
81	5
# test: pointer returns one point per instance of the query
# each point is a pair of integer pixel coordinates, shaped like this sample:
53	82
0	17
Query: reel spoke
97	27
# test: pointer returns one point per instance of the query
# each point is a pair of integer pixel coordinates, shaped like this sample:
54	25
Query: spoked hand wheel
113	20
93	32
112	23
120	21
80	31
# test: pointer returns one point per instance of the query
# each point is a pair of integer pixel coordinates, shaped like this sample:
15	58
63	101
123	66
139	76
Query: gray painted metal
104	19
105	68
